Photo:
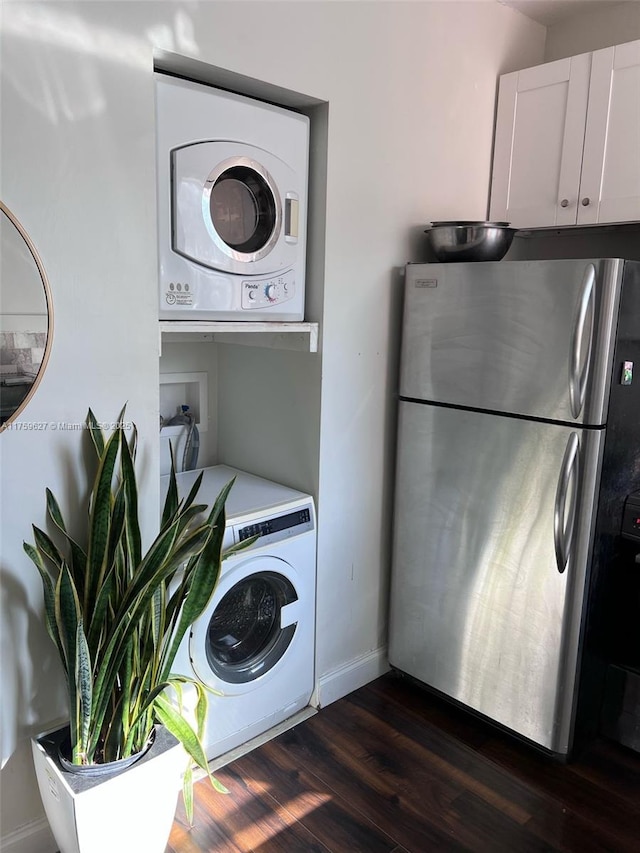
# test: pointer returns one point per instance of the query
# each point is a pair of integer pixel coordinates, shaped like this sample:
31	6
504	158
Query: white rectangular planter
132	809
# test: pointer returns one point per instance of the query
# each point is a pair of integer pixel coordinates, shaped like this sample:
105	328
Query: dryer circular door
249	626
234	208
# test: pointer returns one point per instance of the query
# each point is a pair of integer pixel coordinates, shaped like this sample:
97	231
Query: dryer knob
271	292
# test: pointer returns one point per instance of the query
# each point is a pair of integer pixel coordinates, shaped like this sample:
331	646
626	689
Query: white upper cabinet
610	183
567	146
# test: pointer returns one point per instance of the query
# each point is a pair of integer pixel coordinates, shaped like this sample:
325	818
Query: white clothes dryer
254	646
232	205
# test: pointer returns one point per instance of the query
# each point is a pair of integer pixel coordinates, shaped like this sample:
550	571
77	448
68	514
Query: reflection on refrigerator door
478	602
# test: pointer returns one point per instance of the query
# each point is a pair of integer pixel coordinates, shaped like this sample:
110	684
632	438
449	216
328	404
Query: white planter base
131	810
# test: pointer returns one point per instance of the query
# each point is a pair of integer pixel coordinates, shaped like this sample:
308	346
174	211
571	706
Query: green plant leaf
239	546
112	734
201	706
131	503
118	512
187	792
54	511
151	573
187	515
49	598
133	442
181	730
171	499
202	579
83	677
97	438
99	616
193	492
157	616
120	418
217	512
100	522
68	615
78	561
46	546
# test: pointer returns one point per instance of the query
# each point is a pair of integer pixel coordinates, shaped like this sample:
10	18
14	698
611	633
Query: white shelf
296	336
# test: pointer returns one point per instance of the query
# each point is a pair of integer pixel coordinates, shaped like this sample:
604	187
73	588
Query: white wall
411	90
617	24
77	149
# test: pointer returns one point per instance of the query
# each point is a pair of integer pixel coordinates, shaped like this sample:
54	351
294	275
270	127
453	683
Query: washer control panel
278	527
268	291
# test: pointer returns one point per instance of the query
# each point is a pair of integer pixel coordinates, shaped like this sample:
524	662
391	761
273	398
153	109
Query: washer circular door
227	207
249	626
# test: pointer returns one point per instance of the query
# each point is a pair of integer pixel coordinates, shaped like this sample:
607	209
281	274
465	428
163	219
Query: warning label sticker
174	298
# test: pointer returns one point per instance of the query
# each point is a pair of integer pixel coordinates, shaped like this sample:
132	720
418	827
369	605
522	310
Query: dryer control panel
278	527
269	291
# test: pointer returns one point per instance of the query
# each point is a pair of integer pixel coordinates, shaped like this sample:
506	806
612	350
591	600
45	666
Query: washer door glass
244	638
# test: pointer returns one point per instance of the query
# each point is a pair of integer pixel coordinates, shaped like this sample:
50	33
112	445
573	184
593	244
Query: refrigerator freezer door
533	338
491	544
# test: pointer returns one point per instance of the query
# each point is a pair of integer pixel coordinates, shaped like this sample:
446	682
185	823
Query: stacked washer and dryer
232	208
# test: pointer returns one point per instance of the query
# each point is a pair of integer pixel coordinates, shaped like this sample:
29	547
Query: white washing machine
254	645
232	205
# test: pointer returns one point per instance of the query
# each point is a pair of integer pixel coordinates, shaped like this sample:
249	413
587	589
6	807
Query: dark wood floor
390	769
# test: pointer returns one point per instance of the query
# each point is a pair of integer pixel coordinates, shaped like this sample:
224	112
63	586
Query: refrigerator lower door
492	538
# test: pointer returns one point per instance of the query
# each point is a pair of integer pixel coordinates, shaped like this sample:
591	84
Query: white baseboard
349	677
35	837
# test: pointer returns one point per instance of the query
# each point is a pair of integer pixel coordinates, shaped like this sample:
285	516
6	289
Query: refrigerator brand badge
426	282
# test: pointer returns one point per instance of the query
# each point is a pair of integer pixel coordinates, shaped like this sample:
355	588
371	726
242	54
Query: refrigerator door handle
563	526
580	361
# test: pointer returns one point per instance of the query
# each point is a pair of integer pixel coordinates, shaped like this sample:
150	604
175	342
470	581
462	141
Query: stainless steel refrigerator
518	441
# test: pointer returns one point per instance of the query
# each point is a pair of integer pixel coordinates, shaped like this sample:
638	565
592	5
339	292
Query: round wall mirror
26	318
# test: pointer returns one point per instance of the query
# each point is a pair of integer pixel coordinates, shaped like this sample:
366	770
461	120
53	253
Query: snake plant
117	615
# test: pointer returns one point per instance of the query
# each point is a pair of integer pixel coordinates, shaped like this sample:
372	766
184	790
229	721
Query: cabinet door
610	185
538	145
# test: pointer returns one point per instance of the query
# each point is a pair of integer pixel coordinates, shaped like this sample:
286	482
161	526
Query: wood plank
366	780
240	821
205	834
330	818
480	827
567	831
615	770
429	708
603	809
459	762
393	769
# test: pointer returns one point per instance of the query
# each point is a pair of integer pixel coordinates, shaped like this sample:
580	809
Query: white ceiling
549	12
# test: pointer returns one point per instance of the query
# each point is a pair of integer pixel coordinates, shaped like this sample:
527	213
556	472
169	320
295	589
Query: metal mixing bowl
469	241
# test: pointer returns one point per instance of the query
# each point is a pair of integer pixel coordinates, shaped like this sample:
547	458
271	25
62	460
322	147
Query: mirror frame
47	294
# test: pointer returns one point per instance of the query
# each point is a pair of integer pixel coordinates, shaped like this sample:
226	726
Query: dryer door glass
243	209
244	637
